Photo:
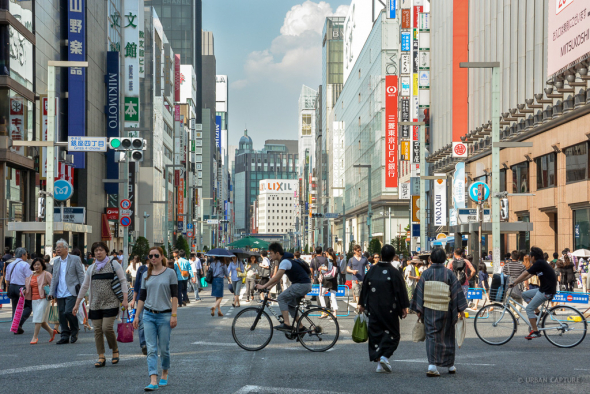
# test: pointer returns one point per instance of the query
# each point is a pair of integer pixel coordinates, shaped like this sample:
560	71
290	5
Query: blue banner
474	294
415	229
406	41
392	7
113	117
315	290
77	75
577	298
218	132
4	298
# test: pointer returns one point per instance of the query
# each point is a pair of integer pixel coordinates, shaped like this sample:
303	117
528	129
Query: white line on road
425	361
35	368
282	390
215	343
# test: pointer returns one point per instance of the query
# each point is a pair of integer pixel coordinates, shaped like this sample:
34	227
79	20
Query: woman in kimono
385	299
439	312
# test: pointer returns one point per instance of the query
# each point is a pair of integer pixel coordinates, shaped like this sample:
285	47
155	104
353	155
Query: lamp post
343	219
369	211
145	217
201	227
495	66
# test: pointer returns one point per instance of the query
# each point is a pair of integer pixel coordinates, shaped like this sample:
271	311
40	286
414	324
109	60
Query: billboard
188	83
391	135
77	75
357	26
177	78
278	186
218	132
221	93
568	40
440	202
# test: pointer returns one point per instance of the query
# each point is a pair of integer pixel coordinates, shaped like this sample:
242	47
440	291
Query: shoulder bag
116	286
209	277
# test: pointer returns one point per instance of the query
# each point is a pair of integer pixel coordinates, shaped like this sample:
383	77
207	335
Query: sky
268	49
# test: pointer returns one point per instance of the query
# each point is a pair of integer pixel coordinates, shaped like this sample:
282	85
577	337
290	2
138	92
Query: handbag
204	283
418	333
53	317
460	331
360	331
183	273
18	312
125	330
116	286
46	289
241	272
230	287
209	277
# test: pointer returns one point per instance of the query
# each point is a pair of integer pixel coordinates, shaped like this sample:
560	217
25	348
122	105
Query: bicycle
252	328
495	323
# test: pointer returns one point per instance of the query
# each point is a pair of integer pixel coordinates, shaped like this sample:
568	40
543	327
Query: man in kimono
439	319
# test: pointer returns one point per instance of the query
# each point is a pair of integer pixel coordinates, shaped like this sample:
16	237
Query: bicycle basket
499	287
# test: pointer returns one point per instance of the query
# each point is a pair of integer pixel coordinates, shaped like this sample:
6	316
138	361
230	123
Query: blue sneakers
163	382
151	387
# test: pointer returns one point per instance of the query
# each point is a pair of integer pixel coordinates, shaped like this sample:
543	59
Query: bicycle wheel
495	325
564	326
319	334
250	331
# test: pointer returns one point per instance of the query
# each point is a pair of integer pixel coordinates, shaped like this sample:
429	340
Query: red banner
177	78
391	126
417	9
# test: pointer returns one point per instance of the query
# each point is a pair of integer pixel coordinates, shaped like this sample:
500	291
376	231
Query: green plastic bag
360	332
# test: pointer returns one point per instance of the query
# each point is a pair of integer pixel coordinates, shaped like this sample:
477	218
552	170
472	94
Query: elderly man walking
17	273
68	276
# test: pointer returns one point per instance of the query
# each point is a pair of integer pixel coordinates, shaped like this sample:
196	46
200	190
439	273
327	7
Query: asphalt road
205	359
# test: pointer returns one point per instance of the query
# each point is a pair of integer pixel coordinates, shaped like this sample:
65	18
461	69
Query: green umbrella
249	242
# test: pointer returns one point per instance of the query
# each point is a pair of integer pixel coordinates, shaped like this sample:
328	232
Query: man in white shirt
197	268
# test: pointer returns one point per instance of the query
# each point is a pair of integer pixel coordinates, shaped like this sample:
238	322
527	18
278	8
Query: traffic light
135	145
317	215
504	211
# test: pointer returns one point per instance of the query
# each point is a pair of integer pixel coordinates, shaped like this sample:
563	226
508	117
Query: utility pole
369	210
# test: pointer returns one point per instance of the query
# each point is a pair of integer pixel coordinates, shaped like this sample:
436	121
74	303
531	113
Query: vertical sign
392	7
141	43
17	123
181	200
77	75
406	41
218	132
112	110
406	118
460	80
459	186
177	78
406	19
132	194
417	10
405	153
391	120
440	202
131	27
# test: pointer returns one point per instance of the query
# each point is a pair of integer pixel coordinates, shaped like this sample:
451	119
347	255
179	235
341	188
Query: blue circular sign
62	190
125	221
473	191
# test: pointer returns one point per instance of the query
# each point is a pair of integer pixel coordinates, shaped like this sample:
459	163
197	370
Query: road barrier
343	292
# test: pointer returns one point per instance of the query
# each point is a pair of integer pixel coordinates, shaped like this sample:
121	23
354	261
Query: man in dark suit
68	276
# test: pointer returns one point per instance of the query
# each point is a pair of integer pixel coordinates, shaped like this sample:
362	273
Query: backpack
459	269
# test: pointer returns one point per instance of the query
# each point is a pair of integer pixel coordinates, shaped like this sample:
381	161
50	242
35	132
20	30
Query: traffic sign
62	190
473	192
125	204
189	234
571	297
87	144
126	212
467	215
212	221
125	221
189	226
330	215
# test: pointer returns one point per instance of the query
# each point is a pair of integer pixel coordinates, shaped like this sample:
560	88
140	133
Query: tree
401	248
181	244
350	252
375	246
141	248
206	248
306	249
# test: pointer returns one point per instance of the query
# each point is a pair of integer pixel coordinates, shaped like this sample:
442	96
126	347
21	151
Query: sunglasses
154	256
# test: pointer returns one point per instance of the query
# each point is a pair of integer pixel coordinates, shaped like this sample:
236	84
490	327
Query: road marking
425	361
215	343
35	368
282	390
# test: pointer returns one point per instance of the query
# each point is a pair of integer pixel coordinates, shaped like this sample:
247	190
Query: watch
174	315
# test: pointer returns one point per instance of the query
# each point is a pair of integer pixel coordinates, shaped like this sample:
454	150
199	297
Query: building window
576	163
582	228
520	178
546	170
306	124
503	181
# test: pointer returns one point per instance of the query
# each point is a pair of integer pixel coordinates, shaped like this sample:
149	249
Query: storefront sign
141	42
440	202
132	193
218	132
70	215
392	8
568	34
404	193
177	78
417	10
424	79
406	66
405	154
113	117
406	118
77	75
415	152
405	91
406	41
112	213
415	209
406	19
459	186
131	109
17	123
391	136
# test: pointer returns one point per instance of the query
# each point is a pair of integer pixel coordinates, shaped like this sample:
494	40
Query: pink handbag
125	330
19	312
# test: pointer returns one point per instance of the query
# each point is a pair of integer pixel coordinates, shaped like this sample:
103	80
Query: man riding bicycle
299	275
536	297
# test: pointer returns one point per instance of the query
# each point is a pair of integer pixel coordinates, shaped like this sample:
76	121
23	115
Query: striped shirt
513	268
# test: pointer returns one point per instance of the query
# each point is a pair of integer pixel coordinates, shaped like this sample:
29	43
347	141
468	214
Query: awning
39	227
105	228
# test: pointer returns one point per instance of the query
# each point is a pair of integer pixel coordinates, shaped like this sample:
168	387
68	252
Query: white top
396	264
131	270
266	263
62	287
285	265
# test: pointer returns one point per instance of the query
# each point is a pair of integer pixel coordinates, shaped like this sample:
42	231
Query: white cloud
294	57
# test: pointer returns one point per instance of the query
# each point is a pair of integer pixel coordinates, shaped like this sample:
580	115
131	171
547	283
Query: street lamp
201	227
369	211
145	216
495	66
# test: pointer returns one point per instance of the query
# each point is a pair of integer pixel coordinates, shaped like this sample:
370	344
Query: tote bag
460	331
125	331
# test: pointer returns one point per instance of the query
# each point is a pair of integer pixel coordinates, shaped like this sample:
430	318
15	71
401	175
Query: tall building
370	140
543	100
307	123
278	159
221	128
277	206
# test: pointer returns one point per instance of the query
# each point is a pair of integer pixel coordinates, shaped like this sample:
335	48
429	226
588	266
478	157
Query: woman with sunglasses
158	300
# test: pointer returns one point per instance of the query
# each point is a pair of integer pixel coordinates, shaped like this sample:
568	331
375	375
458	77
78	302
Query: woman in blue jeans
220	272
158	301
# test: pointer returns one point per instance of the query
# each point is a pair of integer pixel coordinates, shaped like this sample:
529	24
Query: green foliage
306	249
401	248
141	248
375	246
181	244
350	252
206	248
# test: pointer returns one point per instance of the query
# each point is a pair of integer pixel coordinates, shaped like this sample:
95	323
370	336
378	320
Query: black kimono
384	297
